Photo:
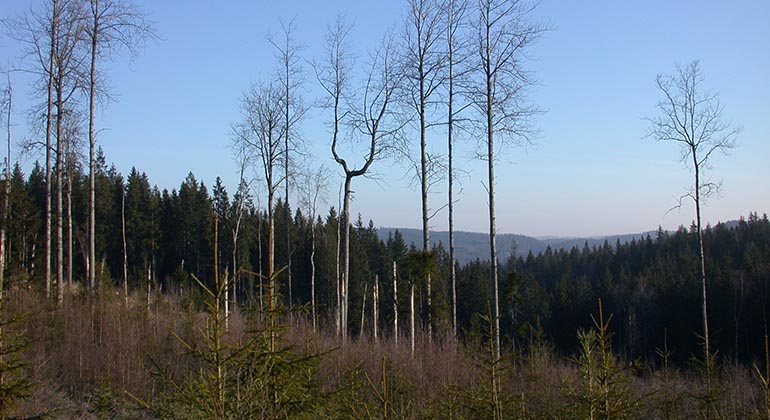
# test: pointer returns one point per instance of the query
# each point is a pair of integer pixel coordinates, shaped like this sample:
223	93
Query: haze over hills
472	245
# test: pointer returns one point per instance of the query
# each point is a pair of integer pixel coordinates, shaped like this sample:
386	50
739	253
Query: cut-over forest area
122	300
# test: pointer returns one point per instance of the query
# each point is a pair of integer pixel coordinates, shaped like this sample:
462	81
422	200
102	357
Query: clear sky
592	172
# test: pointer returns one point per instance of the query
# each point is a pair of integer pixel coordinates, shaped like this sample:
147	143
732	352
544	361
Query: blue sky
591	171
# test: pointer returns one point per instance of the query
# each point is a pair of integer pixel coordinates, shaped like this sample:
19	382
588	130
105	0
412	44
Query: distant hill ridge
472	245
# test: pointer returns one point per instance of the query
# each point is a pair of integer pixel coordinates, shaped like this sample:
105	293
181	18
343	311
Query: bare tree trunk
375	305
492	225
125	248
6	187
363	310
48	144
338	278
59	189
702	256
395	302
68	184
345	221
91	150
411	318
452	23
312	276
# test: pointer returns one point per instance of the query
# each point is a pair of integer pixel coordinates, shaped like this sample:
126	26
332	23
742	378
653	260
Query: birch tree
6	109
694	120
423	63
293	110
260	134
112	25
454	13
503	34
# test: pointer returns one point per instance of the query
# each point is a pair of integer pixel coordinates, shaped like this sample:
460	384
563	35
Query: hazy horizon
590	173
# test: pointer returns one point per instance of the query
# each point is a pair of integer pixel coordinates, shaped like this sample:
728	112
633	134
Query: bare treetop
692	119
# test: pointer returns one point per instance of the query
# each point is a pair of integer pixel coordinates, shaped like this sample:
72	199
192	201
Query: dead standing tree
368	117
499	94
693	120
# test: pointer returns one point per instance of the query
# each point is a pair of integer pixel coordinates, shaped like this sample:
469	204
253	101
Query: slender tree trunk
701	254
345	220
375	305
48	145
6	192
312	277
91	151
272	297
412	329
424	192
395	302
450	147
363	310
59	189
338	273
491	189
68	182
125	248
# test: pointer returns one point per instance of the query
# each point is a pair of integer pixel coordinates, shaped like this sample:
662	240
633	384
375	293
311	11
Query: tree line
454	67
647	284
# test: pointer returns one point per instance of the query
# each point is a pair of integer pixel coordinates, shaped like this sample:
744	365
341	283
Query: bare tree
503	34
454	13
112	25
260	133
369	117
6	107
39	31
313	192
293	108
68	65
693	120
423	63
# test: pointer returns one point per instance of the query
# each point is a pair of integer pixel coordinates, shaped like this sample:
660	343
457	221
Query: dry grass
85	357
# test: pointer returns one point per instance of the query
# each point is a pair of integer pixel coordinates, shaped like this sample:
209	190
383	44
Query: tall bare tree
260	133
6	107
423	62
293	108
112	25
694	120
369	117
39	31
503	34
455	14
68	66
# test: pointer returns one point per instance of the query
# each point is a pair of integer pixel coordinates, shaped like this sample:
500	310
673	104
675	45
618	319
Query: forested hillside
120	299
649	285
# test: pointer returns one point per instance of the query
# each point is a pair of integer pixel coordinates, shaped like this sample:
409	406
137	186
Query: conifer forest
279	299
